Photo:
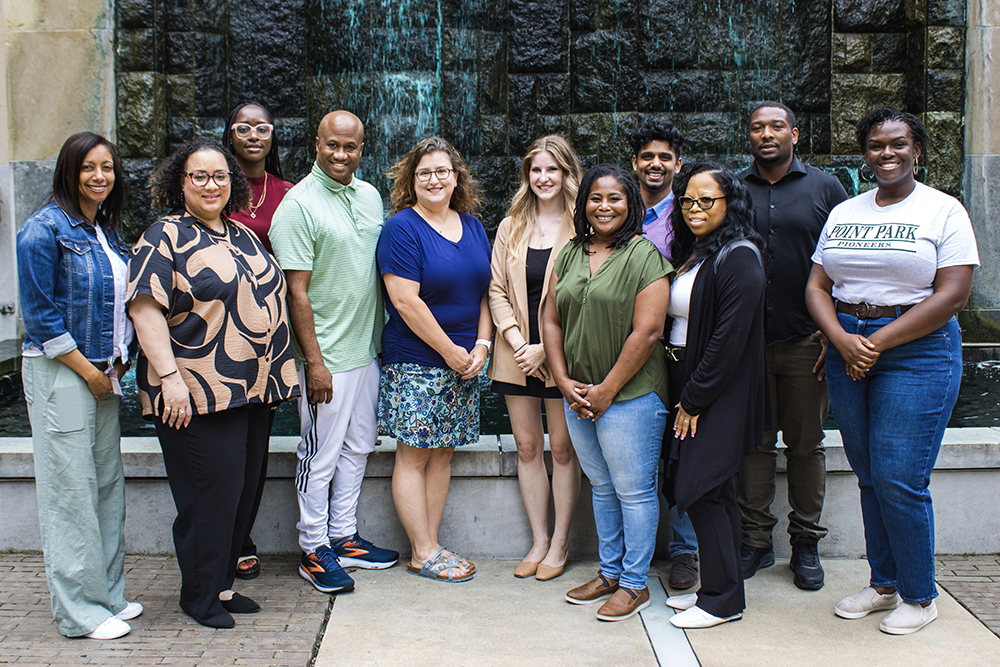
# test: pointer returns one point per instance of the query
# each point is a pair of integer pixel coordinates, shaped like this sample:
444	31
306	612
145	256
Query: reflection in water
978	405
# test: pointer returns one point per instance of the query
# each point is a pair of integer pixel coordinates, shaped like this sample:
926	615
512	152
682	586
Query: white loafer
682	602
131	610
113	628
908	618
695	617
865	602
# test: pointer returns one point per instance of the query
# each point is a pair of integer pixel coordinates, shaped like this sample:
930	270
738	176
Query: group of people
679	315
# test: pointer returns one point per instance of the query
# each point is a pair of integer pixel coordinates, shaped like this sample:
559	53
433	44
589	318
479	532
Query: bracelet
524	345
163	377
485	343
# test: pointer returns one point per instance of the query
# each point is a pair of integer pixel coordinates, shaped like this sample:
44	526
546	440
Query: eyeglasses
704	203
243	130
200	178
442	173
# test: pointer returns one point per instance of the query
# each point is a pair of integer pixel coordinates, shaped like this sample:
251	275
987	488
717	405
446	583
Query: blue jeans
892	422
683	540
620	453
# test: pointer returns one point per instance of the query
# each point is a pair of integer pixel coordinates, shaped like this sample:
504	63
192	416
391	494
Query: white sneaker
113	628
695	617
908	618
682	602
131	610
865	602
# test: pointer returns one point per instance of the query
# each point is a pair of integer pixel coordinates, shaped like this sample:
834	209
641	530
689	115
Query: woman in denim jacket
71	265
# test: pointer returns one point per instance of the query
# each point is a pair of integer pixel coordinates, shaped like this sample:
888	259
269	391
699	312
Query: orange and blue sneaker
323	571
356	551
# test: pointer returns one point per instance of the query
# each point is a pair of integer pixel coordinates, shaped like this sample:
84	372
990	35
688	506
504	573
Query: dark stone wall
492	75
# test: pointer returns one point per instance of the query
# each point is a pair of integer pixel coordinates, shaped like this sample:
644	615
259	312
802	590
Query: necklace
253	207
548	227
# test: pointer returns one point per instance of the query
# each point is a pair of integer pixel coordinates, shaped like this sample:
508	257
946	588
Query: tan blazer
509	299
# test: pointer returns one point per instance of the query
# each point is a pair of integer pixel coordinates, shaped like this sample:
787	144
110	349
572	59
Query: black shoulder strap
726	249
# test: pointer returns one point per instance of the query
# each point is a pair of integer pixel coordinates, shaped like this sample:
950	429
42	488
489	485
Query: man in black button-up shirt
791	201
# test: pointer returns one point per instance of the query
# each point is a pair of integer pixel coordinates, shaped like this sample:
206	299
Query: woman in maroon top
250	136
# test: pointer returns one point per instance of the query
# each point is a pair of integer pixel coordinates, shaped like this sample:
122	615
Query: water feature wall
491	75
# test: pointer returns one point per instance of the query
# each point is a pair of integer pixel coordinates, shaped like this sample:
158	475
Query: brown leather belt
866	311
676	353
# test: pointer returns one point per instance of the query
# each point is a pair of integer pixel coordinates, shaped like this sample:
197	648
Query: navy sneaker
323	571
356	551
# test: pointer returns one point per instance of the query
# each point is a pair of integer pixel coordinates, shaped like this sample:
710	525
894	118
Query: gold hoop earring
866	174
916	162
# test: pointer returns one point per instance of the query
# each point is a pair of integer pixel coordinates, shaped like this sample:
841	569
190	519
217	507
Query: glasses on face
243	130
442	173
200	178
704	203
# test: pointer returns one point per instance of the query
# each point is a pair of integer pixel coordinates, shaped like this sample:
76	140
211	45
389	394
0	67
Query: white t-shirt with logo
889	255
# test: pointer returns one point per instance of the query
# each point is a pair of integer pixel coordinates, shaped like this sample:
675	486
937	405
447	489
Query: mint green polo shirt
332	230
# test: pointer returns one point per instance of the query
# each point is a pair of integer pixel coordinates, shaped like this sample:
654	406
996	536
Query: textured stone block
589	15
492	69
585	134
539	36
945	155
142	114
945	90
493	132
477	14
869	15
605	76
210	15
180	54
706	132
852	53
266	51
178	15
210	74
946	12
460	47
137	213
814	134
339	36
916	89
180	130
459	116
135	13
695	90
665	29
180	95
136	50
854	95
945	47
805	82
888	53
757	85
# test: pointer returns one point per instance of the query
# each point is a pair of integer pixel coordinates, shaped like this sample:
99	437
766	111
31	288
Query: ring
180	412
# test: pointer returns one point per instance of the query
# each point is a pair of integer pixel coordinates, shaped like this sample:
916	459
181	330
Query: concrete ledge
485	516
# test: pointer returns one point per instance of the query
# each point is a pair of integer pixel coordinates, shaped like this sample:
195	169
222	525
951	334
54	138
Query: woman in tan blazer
539	224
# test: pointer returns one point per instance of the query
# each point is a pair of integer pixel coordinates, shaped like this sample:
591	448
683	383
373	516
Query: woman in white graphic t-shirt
892	268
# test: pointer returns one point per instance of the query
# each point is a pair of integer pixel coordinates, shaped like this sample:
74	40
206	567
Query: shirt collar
331	184
795	167
655	212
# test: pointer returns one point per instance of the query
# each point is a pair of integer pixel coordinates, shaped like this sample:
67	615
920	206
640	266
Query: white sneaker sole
628	615
364	564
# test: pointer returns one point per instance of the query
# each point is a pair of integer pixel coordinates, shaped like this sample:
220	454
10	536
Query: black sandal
247	573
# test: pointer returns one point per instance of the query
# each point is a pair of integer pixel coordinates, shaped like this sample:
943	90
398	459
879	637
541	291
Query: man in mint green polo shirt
324	235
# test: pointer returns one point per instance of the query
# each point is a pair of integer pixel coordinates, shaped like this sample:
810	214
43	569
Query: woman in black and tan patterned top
208	303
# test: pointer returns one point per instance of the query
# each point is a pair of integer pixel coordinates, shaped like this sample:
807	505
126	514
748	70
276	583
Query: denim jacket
67	286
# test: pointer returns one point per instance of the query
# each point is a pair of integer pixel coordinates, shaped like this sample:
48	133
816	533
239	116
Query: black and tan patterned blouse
223	297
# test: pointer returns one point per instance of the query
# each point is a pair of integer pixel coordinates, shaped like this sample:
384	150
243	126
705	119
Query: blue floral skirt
428	407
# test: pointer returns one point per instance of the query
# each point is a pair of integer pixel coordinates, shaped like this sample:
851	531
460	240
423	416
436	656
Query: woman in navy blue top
434	259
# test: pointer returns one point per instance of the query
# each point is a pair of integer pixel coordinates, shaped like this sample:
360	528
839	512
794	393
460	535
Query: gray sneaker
865	602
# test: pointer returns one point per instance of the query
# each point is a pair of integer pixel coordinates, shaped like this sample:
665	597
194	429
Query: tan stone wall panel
59	83
983	87
983	13
47	15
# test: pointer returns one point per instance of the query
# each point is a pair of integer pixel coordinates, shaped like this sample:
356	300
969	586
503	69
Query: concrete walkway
395	619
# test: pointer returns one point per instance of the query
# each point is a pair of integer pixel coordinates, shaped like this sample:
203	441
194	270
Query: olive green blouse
596	314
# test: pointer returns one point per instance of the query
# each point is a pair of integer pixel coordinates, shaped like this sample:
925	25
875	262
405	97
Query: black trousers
213	468
716	520
249	548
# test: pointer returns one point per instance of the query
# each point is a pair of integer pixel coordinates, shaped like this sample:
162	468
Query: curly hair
884	113
167	182
66	180
771	104
686	249
633	219
465	197
655	129
523	206
272	162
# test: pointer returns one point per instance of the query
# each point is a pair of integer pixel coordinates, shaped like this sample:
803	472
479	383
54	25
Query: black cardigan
725	375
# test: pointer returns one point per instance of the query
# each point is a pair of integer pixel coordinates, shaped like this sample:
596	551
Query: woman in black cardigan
718	378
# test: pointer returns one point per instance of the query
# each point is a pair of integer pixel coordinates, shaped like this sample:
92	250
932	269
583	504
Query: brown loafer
625	603
683	572
593	591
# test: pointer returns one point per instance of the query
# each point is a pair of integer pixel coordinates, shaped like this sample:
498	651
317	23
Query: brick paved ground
975	582
283	633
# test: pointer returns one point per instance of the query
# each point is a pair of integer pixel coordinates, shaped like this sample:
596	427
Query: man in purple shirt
656	158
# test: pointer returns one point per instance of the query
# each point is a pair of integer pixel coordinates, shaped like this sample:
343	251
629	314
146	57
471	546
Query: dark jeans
799	405
213	467
892	422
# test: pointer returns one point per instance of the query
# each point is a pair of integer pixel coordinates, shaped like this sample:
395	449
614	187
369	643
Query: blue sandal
439	567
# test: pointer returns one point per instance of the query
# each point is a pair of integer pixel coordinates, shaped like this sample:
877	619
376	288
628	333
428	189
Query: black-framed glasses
442	173
704	203
243	130
200	178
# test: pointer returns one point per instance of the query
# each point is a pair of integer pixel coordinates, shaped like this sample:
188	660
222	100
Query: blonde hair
464	198
524	204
